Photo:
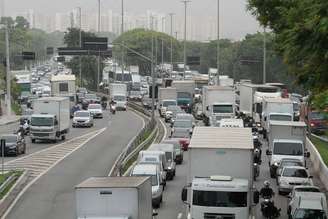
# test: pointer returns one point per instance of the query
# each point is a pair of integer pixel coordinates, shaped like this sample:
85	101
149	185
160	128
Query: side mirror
268	152
162	183
207	108
184	194
265	118
310	177
289	196
256	197
307	154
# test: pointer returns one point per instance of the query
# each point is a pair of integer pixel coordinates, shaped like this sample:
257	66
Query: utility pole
218	46
98	75
152	73
264	55
185	38
8	92
99	5
171	33
122	31
80	36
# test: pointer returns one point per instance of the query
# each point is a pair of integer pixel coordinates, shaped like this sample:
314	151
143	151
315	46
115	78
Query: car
157	184
184	116
153	157
307	205
177	147
95	110
316	122
89	99
82	119
182	128
15	144
302	189
293	176
287	162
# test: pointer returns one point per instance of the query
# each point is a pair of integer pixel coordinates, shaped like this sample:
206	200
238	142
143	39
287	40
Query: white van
153	157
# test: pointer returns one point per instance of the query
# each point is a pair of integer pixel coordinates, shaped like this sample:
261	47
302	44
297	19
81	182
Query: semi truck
185	94
218	103
118	94
50	119
166	97
64	86
279	109
286	140
114	198
220	174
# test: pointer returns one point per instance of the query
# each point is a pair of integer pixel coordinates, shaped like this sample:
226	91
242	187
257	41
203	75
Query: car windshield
290	163
9	138
42	121
180	135
90	96
310	214
286	148
94	106
182	124
169	103
222	108
119	98
281	117
82	114
154	181
219	199
307	189
296	107
317	116
293	172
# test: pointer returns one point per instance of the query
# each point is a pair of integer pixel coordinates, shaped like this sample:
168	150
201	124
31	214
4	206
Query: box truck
185	93
63	86
278	109
118	94
50	119
114	198
166	97
286	140
220	167
218	103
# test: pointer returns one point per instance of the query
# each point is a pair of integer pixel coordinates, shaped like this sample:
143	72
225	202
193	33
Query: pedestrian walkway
5	120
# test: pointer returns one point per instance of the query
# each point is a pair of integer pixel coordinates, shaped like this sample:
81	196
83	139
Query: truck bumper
179	159
43	135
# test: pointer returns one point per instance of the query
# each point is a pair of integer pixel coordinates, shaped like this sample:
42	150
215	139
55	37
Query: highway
52	195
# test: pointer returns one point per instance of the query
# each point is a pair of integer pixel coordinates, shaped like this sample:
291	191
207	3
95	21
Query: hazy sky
235	21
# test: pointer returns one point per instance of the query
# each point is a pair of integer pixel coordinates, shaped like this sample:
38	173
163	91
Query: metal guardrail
319	137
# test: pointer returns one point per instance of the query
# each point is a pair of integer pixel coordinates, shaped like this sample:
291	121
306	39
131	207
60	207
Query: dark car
317	122
15	144
89	99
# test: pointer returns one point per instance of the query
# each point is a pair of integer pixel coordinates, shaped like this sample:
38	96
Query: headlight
169	168
276	164
88	120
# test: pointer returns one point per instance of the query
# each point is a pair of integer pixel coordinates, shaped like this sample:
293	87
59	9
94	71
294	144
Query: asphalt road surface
52	196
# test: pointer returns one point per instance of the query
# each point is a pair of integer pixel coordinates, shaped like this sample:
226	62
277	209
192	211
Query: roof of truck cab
112	182
277	100
215	137
288	123
62	78
51	99
218	88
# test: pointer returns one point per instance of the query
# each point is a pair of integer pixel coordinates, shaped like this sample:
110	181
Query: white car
95	110
82	119
293	176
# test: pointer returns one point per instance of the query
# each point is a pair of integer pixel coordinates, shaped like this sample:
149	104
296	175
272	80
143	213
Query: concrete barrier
318	165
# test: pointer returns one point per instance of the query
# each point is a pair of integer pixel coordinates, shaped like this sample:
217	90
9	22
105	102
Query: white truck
220	174
50	119
251	97
166	97
286	140
185	93
114	198
278	109
63	86
218	103
118	94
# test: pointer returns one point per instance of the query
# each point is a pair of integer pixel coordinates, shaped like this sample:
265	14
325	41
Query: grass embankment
322	148
4	177
16	108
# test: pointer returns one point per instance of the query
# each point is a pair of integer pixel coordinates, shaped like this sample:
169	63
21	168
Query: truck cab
220	111
120	101
219	197
44	126
163	104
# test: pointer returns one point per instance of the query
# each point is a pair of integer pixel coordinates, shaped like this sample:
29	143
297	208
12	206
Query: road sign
193	60
28	55
71	51
95	43
61	59
50	50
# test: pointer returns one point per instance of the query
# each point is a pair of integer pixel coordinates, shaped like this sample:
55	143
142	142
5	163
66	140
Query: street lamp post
8	92
80	36
264	56
218	45
185	38
171	33
122	31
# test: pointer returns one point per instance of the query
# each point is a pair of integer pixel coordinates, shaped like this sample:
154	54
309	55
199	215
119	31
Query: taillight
312	124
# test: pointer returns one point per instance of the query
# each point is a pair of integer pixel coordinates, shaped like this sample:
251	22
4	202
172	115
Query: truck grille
218	216
295	184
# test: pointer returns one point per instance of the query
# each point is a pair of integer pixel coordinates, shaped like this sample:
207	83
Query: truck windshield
168	156
222	109
309	214
42	121
119	98
288	148
219	199
268	89
90	96
169	103
182	124
184	95
281	117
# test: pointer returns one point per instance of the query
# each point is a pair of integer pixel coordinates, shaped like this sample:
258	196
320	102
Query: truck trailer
166	97
185	93
118	94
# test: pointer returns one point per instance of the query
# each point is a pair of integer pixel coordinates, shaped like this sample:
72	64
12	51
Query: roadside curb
13	192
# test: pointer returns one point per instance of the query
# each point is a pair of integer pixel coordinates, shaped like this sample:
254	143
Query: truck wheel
33	140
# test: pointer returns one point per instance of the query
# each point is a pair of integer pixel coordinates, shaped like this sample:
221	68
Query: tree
22	23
